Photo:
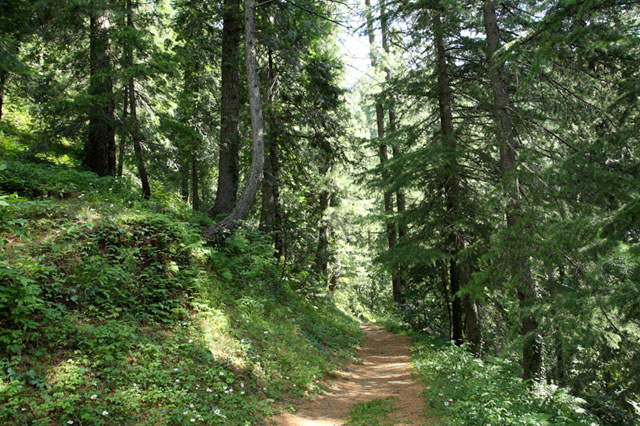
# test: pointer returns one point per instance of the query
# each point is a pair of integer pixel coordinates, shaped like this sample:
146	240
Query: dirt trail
385	371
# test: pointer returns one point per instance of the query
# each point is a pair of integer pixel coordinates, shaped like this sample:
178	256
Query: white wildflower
105	413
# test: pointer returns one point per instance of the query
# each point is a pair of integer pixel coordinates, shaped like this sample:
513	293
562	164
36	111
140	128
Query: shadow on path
385	371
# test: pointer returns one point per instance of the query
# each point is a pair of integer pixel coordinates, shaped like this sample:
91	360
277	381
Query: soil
384	371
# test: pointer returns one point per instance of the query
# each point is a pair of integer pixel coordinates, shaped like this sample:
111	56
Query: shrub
466	390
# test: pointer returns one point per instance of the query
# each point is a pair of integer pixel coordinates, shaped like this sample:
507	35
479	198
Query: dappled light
300	212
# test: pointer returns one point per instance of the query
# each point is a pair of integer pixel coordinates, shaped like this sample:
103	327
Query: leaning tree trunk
382	153
241	210
452	183
228	168
100	148
135	131
519	263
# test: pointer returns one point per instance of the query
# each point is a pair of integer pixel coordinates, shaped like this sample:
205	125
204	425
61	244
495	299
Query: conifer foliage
481	179
518	145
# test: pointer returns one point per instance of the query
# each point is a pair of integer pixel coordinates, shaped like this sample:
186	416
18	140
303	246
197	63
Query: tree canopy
478	178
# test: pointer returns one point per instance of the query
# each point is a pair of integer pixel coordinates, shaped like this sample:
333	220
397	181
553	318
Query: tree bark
401	202
3	82
270	217
241	210
445	292
472	329
519	263
137	144
100	148
334	281
324	231
228	168
135	132
195	200
382	153
185	170
123	131
452	180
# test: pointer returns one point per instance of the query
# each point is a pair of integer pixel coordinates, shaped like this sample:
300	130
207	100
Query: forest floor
382	376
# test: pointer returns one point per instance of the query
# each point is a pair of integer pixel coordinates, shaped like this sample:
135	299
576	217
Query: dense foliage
513	128
115	311
177	186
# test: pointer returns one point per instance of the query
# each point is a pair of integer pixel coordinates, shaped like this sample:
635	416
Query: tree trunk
472	328
195	203
185	170
324	232
100	148
452	182
382	153
400	197
447	302
519	264
334	281
277	211
241	210
228	168
3	82
123	131
270	217
135	133
137	145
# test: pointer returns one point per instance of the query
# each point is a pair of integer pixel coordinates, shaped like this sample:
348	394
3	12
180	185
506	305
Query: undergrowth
113	310
462	390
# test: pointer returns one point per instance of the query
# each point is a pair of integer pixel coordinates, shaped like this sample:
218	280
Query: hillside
115	311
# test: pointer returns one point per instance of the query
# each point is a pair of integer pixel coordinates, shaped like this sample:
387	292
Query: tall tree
401	201
135	127
324	228
228	168
123	128
241	210
517	256
451	178
3	80
100	147
383	155
270	215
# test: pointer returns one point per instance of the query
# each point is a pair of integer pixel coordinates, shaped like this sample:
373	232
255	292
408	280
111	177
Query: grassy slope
113	311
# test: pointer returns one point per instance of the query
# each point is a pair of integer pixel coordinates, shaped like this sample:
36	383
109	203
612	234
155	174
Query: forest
205	207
